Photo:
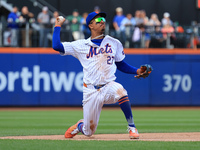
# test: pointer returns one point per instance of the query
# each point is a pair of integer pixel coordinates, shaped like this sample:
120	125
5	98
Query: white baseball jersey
98	61
99	68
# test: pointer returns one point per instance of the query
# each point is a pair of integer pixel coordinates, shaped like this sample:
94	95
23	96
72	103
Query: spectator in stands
166	19
117	22
195	43
97	9
84	28
140	38
53	19
144	17
137	34
26	17
167	29
74	21
126	27
168	35
43	20
157	40
180	39
141	18
13	25
138	19
154	21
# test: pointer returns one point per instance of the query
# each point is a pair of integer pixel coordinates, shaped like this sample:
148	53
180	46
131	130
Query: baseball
60	18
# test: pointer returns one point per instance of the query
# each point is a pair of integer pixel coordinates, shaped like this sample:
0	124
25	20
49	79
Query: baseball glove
145	70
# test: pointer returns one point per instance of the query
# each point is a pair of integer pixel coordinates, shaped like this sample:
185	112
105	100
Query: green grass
56	122
97	145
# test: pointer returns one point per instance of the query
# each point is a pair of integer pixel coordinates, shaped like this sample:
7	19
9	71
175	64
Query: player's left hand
144	71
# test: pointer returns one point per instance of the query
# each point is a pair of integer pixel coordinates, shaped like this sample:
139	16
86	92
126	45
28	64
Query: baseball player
100	55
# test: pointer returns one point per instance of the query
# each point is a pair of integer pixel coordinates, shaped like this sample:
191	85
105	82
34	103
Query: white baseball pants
93	101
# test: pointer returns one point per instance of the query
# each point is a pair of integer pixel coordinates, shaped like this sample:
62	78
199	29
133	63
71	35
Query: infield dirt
188	136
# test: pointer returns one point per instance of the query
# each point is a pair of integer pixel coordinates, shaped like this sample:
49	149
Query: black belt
95	86
98	86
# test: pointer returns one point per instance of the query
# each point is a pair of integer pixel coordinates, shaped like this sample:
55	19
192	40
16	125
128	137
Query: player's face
98	23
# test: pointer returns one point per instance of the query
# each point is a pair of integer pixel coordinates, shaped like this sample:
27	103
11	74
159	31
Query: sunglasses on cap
98	20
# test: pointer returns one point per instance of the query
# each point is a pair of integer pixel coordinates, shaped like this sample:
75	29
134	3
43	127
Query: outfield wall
41	77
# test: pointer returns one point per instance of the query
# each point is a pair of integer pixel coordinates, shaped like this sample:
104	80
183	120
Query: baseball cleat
73	130
133	133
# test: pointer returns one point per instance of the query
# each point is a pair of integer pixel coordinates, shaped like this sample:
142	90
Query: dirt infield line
188	136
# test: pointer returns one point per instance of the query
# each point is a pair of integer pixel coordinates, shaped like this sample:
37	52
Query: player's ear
90	26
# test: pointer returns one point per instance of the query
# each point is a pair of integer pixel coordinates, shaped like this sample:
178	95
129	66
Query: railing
6	5
42	3
31	37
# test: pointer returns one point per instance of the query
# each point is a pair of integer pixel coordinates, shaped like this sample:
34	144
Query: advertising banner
32	77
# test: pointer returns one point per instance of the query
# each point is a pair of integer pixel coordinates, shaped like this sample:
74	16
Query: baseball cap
75	10
96	8
45	8
118	9
92	15
166	14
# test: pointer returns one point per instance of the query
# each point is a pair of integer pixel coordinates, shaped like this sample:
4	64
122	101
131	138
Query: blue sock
80	127
126	108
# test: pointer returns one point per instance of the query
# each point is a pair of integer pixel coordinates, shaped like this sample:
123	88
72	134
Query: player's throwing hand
59	21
